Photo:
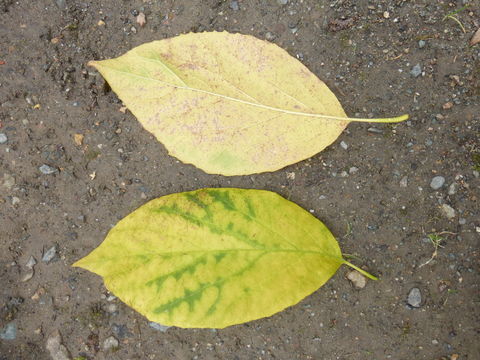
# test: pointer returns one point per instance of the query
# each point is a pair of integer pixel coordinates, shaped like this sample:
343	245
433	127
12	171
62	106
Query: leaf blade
215	257
245	109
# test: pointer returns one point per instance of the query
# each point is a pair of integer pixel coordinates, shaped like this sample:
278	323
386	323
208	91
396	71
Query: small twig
457	21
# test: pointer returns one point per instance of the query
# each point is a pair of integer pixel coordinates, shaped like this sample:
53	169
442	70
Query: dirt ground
373	190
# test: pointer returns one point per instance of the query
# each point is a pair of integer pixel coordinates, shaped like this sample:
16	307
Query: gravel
8	181
158	326
452	189
343	145
57	350
31	262
3	138
9	331
110	343
421	44
416	70
357	279
404	182
437	182
414	298
47	170
448	211
49	254
375	130
234	5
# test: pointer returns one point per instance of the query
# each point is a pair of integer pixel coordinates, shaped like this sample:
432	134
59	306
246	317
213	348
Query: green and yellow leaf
229	104
212	258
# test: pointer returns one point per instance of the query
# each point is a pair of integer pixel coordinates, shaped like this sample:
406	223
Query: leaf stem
363	272
395	119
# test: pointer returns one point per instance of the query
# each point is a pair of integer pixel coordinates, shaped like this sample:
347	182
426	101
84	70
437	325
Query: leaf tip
93	63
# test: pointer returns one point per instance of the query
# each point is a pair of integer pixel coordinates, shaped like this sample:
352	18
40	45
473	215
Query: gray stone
47	170
270	36
404	182
31	262
452	189
375	130
448	211
282	2
3	138
9	331
57	350
110	343
416	70
437	182
414	298
343	145
158	326
62	4
462	221
353	170
49	254
421	44
234	5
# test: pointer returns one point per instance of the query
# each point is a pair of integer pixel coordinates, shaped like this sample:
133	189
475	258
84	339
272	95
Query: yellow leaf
228	103
212	258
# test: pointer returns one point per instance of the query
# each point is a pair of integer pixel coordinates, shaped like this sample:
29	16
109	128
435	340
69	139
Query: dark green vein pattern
215	257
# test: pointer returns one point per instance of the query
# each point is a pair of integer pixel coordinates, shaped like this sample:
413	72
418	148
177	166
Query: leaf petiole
363	272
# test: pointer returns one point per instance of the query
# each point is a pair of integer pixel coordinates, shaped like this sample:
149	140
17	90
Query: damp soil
372	187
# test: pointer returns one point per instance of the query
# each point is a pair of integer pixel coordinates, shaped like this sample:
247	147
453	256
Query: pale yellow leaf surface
230	104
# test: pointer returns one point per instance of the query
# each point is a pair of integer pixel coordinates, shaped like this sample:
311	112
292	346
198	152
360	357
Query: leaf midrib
266	107
187	252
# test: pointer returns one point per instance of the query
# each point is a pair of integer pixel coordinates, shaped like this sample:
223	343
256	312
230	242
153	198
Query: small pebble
452	189
416	70
448	211
437	182
414	298
111	308
234	5
344	145
57	350
62	4
404	182
49	254
158	326
353	170
269	36
374	130
15	200
282	2
421	44
28	275
8	181
47	170
9	331
31	262
462	221
357	279
110	343
3	138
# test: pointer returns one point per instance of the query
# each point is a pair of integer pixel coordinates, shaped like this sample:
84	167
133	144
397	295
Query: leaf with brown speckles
230	104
